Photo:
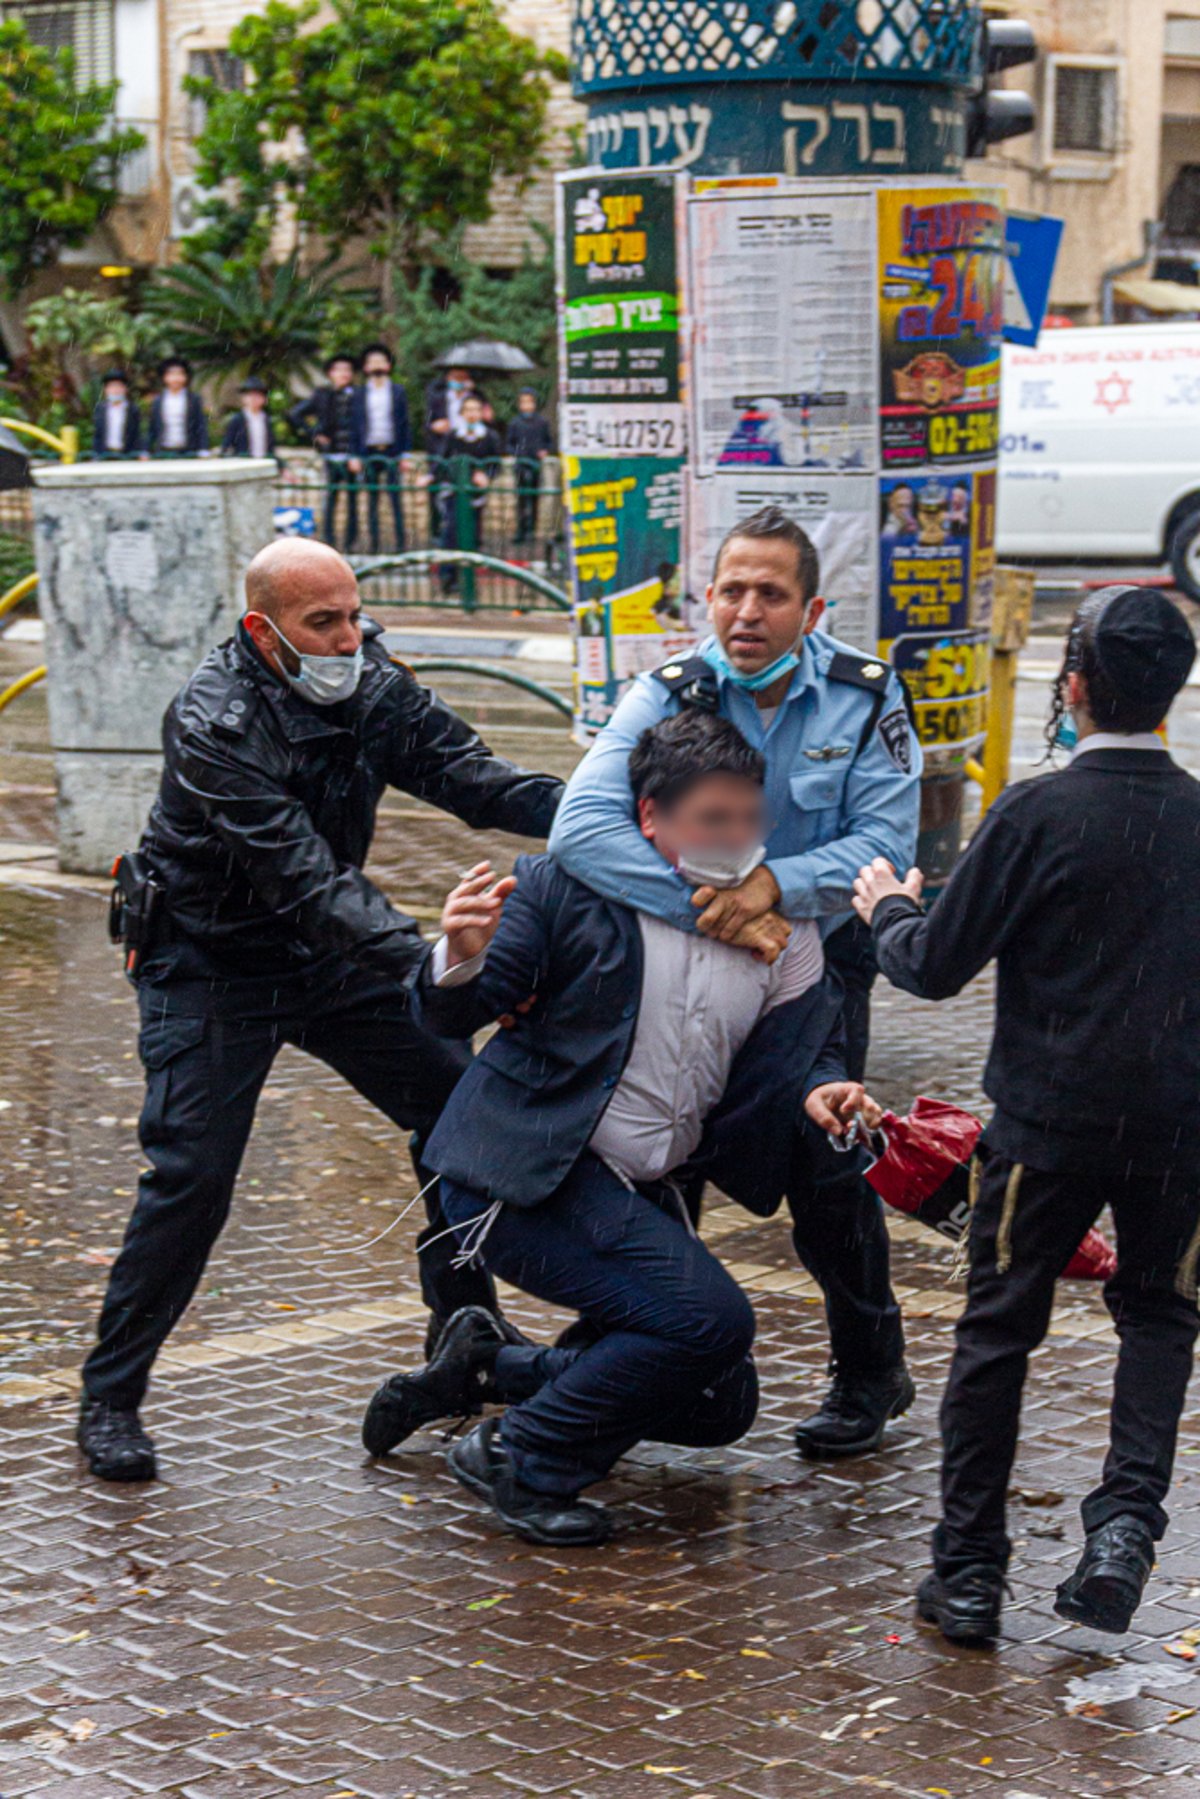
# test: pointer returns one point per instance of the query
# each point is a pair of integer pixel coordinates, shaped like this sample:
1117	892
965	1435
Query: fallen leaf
662	1768
1032	1498
759	1654
82	1729
691	1674
484	1605
1185	1651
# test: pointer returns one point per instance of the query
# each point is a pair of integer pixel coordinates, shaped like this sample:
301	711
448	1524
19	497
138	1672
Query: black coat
401	443
524	1111
235	439
325	413
132	442
529	436
197	424
484	450
1085	887
267	809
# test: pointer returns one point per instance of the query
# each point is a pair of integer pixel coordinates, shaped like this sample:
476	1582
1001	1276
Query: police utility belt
134	908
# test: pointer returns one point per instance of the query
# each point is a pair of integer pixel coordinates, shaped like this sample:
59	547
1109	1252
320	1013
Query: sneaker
1107	1586
964	1606
854	1413
480	1462
112	1439
456	1382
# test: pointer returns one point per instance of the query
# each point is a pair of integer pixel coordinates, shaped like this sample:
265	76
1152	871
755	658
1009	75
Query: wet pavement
279	1615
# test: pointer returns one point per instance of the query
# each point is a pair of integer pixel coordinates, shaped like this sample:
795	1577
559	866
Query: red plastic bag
922	1169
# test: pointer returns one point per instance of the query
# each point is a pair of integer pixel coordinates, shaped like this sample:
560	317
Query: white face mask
322	679
720	868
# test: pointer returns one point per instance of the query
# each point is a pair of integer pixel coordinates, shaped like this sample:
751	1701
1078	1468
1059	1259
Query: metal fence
511	511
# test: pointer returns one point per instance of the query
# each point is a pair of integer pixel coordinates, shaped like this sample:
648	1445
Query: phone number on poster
955	434
591	429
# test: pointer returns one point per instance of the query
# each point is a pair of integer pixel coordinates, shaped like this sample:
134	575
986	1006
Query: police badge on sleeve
897	739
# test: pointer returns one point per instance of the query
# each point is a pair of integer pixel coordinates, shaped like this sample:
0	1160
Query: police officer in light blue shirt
843	786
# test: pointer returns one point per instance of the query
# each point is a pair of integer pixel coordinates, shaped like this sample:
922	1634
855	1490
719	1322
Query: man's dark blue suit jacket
358	422
525	1109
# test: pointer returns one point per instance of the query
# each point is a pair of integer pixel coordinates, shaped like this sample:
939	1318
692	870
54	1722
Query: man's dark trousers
842	1240
1025	1225
381	472
338	479
672	1364
207	1047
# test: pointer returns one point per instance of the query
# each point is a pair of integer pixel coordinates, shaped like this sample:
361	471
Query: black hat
114	375
1143	644
253	384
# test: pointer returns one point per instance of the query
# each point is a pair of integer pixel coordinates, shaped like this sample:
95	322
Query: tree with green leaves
61	150
267	320
389	122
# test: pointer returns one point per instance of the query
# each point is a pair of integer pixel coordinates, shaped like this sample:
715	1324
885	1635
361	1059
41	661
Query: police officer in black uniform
249	924
1085	886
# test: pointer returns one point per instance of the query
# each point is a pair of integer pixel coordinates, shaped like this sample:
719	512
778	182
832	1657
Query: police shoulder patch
896	737
692	679
866	672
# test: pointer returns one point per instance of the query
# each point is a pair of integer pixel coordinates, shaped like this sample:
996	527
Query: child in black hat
116	419
530	440
1084	885
249	432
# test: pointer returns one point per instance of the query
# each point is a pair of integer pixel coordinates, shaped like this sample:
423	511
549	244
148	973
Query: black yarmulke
1144	646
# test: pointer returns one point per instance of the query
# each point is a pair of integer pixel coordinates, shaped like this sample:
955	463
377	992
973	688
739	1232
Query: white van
1100	447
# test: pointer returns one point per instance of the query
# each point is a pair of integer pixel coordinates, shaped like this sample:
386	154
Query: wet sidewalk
278	1615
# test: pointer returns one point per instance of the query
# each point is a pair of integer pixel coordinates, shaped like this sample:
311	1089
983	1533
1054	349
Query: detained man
648	1054
1085	887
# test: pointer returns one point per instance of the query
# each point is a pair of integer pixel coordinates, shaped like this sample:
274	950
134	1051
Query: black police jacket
267	805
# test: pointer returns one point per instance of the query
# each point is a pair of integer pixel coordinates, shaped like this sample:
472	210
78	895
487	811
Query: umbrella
14	460
486	353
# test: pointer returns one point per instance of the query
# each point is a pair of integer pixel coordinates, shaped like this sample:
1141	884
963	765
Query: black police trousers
207	1048
1025	1225
841	1239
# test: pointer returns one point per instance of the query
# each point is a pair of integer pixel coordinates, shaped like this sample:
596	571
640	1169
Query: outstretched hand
832	1107
471	914
878	881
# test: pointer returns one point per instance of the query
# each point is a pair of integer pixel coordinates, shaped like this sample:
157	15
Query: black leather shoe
1107	1586
456	1382
510	1332
112	1439
964	1606
479	1461
853	1414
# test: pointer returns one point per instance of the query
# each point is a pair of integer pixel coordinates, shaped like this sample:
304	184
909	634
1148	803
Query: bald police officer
843	773
266	931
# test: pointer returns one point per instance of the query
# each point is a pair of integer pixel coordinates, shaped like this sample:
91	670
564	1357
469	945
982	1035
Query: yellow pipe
16	594
975	771
27	680
65	447
997	747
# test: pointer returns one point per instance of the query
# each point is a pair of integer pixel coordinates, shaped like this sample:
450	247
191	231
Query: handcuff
873	1141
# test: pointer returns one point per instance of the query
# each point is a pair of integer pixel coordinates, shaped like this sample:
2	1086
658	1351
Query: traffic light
994	114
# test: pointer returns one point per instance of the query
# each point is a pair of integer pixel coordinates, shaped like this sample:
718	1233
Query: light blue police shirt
831	807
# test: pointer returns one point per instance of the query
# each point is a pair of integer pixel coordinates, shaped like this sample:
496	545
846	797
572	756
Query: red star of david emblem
1113	392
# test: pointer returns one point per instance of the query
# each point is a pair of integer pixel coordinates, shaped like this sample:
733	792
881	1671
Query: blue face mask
1066	737
774	671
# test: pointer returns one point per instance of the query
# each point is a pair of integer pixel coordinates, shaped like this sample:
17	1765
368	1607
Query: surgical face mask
774	671
322	679
716	867
1066	737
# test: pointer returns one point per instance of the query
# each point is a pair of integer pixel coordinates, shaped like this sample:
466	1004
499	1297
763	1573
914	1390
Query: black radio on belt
133	908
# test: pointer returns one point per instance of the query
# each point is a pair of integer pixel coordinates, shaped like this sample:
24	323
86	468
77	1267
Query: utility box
140	569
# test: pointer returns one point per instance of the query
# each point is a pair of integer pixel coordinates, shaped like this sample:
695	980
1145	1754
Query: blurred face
318	611
900	502
341	373
756	602
527	403
254	402
718	812
377	367
115	390
175	379
458	377
472	411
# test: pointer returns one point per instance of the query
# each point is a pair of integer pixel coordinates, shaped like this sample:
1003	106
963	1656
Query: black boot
455	1383
853	1414
1107	1586
479	1461
964	1606
112	1439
